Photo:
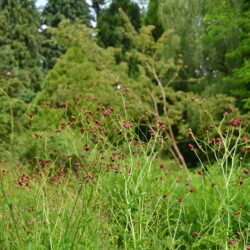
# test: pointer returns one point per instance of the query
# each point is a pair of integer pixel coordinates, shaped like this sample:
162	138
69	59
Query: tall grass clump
96	184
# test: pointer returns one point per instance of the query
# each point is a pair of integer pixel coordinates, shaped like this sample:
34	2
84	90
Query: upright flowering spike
196	234
180	199
232	241
65	105
76	164
200	172
127	124
190	133
235	122
245	171
73	118
86	147
177	180
245	139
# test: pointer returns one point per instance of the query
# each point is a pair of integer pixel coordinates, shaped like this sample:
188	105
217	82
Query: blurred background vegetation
172	59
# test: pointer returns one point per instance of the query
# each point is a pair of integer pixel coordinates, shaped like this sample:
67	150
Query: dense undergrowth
93	183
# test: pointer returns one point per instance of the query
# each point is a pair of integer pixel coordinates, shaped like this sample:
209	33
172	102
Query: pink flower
73	118
161	165
190	146
177	180
245	139
127	124
65	105
232	241
235	122
76	164
161	125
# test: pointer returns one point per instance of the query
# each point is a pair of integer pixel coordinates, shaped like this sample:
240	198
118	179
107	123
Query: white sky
40	2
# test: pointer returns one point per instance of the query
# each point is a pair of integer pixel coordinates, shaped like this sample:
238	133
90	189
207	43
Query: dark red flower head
200	172
73	118
190	146
232	241
86	147
196	234
235	122
127	124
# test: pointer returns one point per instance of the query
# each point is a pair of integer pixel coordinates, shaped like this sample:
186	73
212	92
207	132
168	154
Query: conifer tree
19	48
97	5
20	72
57	10
111	24
54	12
152	18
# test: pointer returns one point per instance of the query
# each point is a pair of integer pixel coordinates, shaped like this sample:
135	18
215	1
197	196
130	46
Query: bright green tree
86	68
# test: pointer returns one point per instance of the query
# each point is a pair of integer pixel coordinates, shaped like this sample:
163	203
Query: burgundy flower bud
196	234
73	118
86	147
190	146
232	241
161	165
180	199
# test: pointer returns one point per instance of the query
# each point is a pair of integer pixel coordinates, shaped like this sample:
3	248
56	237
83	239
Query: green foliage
153	19
20	73
57	10
75	196
97	5
111	26
19	42
86	68
114	118
222	36
240	77
185	18
53	13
